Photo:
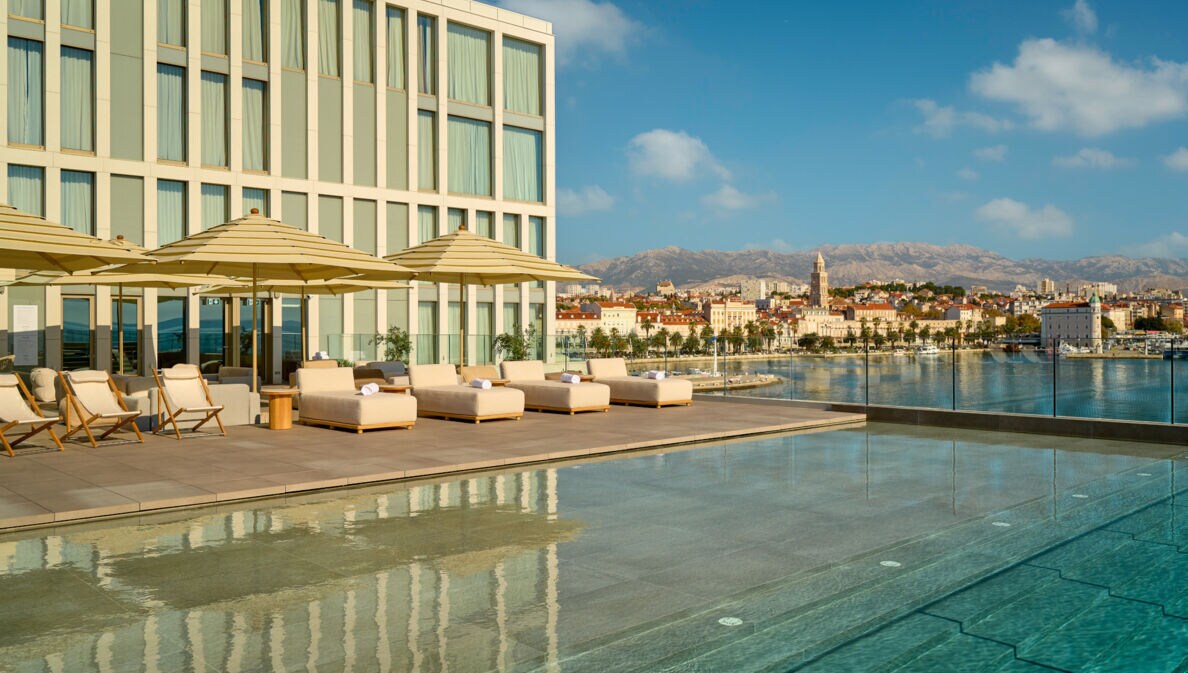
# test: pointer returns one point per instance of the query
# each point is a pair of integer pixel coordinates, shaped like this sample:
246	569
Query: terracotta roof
1068	304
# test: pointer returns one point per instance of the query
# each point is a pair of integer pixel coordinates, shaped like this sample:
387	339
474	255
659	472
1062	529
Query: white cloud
995	153
774	245
940	120
968	174
1168	246
585	30
672	155
589	199
1082	17
1092	157
1178	160
729	198
1020	220
1082	89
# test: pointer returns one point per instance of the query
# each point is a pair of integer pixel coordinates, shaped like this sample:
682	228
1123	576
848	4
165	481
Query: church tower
819	291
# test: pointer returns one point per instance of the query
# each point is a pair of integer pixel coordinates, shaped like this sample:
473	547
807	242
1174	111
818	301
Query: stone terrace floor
42	486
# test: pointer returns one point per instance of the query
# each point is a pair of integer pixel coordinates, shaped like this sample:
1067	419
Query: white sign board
24	334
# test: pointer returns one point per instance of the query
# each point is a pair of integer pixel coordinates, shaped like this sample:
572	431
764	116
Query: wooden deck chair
96	402
182	396
17	408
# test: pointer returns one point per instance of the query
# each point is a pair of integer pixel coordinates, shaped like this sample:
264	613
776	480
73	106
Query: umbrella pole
255	326
120	322
462	329
304	327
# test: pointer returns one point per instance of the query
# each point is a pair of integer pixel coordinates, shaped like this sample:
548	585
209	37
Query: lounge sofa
394	371
440	394
240	405
543	395
626	389
329	397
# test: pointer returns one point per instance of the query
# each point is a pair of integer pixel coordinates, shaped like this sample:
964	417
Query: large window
171	112
293	34
470	156
364	46
426	223
255	126
171	331
426	150
26	188
26	92
214	205
395	18
214	26
427	54
78	14
255	198
484	224
78	99
521	76
536	236
214	119
523	174
78	201
511	230
171	211
469	53
171	22
255	30
328	29
455	219
426	343
29	9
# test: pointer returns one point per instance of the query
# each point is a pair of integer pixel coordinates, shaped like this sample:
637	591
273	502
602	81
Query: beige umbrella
466	258
30	242
257	247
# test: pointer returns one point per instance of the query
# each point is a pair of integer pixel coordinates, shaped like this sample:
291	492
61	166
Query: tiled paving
40	486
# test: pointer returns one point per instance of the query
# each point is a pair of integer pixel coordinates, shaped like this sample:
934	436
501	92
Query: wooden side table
556	376
280	406
386	388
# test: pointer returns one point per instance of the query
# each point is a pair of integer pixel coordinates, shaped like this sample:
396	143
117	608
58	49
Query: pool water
763	554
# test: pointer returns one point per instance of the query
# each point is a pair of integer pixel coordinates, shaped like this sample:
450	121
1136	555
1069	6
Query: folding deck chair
182	396
96	401
17	408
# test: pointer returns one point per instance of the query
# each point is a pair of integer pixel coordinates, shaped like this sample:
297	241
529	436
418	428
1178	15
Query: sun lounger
542	395
182	397
439	394
95	402
626	389
329	397
18	408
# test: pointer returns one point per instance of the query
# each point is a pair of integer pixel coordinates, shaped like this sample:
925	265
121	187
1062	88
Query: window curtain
484	329
521	76
254	133
456	218
255	198
214	205
25	92
470	156
171	22
426	223
453	327
469	53
427	54
214	26
426	151
484	224
328	38
214	119
426	332
511	317
78	99
78	13
30	9
293	34
395	48
171	211
511	230
254	14
536	236
363	52
26	188
171	112
78	201
522	180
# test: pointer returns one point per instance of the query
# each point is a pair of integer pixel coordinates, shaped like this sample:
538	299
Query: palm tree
600	342
676	341
769	334
581	335
692	342
647	325
616	341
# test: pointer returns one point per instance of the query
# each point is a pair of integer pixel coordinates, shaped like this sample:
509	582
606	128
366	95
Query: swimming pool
763	554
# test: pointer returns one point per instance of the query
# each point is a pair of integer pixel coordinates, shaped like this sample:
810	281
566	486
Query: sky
1033	129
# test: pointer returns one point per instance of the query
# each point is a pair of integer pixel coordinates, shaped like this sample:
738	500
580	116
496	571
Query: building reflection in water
423	578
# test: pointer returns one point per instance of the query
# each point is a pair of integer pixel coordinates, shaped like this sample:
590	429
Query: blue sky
1034	129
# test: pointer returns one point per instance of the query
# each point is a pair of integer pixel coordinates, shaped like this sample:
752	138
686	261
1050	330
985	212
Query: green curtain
26	92
78	99
171	112
427	54
469	54
254	33
171	22
426	151
363	52
214	26
522	165
78	201
254	132
521	76
536	236
328	38
395	48
78	13
26	188
30	9
293	34
511	230
456	219
255	198
426	223
426	343
511	316
214	119
171	211
214	205
470	156
484	223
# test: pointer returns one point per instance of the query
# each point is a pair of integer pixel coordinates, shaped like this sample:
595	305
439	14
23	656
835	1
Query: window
364	46
455	220
255	33
214	26
26	188
521	76
511	230
426	150
78	99
427	54
171	211
214	205
26	92
293	34
29	9
511	317
78	14
426	223
171	112
484	224
470	156
469	53
78	201
426	344
255	198
523	178
255	129
536	236
328	38
171	331
171	22
395	48
214	119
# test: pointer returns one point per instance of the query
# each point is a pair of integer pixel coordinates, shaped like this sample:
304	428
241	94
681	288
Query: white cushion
558	395
462	400
524	370
318	380
600	367
354	409
429	376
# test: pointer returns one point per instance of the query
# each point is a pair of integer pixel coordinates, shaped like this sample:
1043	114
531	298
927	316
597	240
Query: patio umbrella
466	258
33	243
258	248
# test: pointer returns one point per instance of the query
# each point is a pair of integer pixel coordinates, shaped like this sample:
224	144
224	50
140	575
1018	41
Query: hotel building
377	124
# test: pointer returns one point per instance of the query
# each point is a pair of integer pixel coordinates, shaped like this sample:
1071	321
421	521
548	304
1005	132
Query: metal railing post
1053	350
1172	361
954	368
866	357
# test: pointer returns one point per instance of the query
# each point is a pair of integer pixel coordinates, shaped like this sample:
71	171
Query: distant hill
851	264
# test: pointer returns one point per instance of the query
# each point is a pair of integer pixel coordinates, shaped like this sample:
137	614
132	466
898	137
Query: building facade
819	284
1077	323
377	124
727	314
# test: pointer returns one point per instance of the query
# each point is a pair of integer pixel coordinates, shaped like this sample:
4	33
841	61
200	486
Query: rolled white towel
484	384
369	389
655	375
570	378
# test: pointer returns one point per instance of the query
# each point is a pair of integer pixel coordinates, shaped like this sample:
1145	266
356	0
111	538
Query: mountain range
852	264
